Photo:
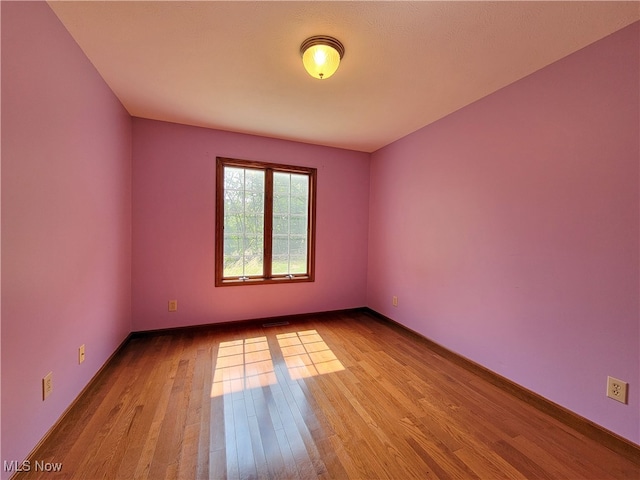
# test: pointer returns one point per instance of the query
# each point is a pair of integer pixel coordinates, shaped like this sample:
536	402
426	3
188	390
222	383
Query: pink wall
509	230
173	227
66	222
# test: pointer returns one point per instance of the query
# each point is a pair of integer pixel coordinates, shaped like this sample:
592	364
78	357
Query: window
265	222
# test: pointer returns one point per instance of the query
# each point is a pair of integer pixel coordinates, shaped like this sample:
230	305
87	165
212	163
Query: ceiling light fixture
321	55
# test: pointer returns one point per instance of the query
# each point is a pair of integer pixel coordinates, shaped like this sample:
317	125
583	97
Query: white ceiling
236	65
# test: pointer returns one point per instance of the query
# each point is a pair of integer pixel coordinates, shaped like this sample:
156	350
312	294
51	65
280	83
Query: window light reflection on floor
243	364
307	355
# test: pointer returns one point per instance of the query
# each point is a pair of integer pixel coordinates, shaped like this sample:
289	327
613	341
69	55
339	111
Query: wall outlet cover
47	385
617	389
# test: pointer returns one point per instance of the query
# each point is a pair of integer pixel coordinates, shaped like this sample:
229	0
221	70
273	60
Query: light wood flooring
341	396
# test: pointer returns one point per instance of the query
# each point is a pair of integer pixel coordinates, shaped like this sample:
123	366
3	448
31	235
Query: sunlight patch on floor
306	354
243	364
247	363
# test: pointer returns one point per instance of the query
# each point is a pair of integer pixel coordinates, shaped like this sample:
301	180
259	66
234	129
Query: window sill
262	281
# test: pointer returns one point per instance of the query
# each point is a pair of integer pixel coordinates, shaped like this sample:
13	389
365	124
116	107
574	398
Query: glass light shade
321	61
321	56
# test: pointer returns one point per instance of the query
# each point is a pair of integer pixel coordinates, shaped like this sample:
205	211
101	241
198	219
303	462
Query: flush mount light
321	55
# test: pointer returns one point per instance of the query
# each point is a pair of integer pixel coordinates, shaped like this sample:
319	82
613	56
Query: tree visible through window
265	217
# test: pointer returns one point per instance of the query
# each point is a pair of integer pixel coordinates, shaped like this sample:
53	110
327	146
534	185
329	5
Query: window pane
290	219
243	250
280	259
232	266
299	264
281	183
298	225
233	202
300	185
253	265
280	245
280	204
254	203
254	224
232	245
233	225
297	246
299	205
233	178
280	225
254	180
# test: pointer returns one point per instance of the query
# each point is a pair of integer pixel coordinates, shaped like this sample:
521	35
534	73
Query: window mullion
244	224
268	222
311	222
289	229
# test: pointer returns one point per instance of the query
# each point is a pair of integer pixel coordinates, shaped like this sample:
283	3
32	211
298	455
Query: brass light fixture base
322	40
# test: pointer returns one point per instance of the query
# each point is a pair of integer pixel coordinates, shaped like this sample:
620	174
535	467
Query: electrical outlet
81	354
173	305
617	389
394	301
47	385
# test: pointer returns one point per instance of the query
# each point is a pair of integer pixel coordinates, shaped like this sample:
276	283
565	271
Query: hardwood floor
338	396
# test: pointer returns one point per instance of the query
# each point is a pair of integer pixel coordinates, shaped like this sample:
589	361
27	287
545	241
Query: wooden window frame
267	277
